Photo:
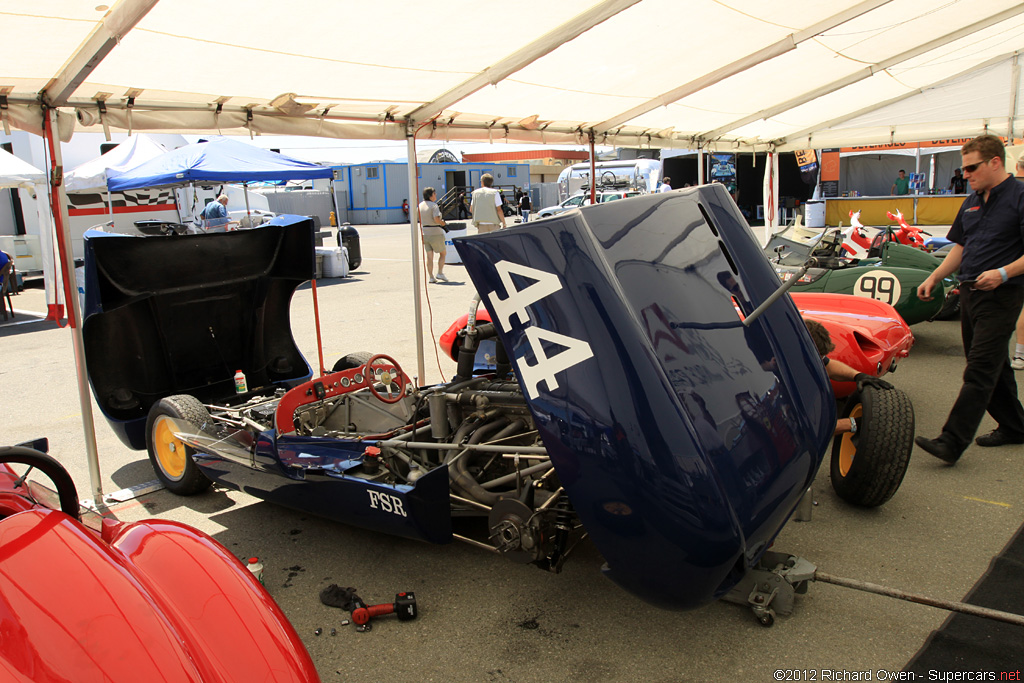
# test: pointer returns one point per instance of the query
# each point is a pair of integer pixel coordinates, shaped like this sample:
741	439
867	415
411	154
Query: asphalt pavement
485	619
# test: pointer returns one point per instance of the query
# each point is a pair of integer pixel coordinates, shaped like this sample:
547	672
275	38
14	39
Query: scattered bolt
318	632
344	622
334	631
363	628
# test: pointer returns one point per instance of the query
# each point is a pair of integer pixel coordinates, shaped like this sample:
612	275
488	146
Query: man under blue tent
215	215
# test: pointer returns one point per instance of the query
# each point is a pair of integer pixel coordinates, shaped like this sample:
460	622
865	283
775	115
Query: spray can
256	567
240	386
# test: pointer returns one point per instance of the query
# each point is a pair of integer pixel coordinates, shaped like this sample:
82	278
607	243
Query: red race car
87	598
870	336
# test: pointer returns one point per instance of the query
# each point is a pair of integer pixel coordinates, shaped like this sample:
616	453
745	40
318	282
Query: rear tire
352	361
172	460
868	468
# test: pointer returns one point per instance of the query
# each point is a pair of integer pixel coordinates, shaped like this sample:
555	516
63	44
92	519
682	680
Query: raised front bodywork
181	314
684	438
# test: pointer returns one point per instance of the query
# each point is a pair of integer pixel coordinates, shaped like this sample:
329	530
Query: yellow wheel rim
847	449
170	451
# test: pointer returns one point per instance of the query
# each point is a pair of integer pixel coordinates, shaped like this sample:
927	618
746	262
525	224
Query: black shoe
998	437
940	448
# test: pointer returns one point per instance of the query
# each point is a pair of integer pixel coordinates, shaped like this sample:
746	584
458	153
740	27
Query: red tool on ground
404	606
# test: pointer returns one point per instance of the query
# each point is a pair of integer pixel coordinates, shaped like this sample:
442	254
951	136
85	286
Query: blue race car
626	380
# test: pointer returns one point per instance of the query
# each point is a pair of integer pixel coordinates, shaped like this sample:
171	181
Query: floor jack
771	586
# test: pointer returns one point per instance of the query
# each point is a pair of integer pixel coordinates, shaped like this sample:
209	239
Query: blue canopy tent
221	160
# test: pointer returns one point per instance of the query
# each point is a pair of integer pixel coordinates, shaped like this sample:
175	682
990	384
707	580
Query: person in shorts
432	227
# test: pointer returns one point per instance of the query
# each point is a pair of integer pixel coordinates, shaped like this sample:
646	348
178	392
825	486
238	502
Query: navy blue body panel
683	438
180	314
318	475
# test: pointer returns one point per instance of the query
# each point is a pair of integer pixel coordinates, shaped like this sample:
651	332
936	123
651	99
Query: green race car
891	273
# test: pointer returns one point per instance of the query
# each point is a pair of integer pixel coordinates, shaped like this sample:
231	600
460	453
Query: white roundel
878	284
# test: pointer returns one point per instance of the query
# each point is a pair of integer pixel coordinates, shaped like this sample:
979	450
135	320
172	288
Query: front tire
172	460
868	468
352	361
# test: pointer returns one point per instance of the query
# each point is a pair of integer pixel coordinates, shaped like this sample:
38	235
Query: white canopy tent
17	173
730	75
92	175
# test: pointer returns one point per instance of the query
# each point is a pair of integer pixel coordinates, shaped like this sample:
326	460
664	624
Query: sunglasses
971	168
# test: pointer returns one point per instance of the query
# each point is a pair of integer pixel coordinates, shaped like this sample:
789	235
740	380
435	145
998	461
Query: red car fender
869	335
142	601
212	599
449	340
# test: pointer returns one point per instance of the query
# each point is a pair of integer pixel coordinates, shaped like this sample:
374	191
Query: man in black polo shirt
988	249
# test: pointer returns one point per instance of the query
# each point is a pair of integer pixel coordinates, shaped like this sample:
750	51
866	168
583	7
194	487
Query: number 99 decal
878	284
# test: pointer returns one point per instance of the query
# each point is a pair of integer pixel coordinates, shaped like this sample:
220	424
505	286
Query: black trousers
987	321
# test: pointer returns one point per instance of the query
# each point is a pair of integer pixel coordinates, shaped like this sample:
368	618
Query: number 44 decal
516	302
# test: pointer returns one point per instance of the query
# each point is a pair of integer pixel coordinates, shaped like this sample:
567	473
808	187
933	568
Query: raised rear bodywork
685	438
180	314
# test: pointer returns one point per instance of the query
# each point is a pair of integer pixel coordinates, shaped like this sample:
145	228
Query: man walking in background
432	226
486	206
988	250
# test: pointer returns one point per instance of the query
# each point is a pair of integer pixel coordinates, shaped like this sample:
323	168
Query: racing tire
868	467
172	460
352	361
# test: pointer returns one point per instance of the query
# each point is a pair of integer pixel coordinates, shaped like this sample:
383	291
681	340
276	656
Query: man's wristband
1002	274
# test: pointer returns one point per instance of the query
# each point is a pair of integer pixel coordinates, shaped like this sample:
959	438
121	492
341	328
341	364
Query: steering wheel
386	378
49	466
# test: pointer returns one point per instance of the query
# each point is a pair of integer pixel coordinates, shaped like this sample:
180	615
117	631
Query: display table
938	209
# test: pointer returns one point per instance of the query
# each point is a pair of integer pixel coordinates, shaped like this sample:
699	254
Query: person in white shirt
666	184
431	225
486	206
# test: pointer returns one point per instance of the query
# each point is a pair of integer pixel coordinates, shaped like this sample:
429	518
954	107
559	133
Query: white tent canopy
17	173
92	175
730	75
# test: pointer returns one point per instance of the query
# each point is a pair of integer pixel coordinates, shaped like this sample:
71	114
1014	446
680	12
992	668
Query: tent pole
54	311
700	165
1014	85
334	200
593	171
917	170
414	239
110	206
60	215
248	213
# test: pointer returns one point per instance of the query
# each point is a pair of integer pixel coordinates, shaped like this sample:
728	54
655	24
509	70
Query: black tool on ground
404	606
